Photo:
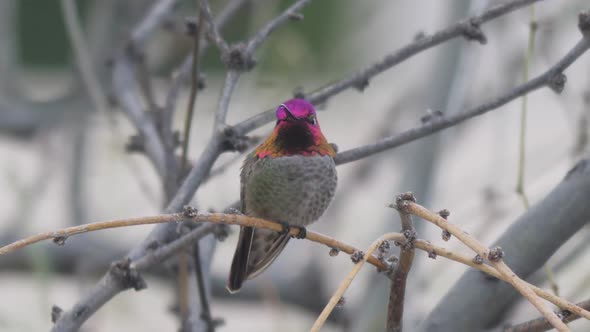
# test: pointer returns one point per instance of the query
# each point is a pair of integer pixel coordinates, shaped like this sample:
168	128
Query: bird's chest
293	189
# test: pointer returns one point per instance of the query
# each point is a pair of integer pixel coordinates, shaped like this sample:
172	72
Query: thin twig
397	291
553	77
361	78
194	88
213	34
484	252
83	57
528	58
265	31
541	324
203	298
321	320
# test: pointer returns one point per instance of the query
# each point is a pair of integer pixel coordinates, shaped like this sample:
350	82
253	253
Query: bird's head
297	132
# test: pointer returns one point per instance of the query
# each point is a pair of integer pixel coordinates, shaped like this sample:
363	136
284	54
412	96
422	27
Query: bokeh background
63	163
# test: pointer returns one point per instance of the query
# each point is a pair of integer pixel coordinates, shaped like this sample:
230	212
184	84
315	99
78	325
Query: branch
271	26
395	309
541	324
528	242
553	78
494	256
468	28
349	278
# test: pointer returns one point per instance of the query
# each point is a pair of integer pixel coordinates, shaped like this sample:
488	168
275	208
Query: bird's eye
311	119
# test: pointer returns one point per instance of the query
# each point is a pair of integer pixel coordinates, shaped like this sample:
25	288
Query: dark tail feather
239	266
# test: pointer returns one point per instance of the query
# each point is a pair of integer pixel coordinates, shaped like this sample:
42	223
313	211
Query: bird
290	178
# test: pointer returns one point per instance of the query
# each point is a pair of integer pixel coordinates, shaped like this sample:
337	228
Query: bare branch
271	26
553	78
494	256
361	78
213	34
541	324
395	308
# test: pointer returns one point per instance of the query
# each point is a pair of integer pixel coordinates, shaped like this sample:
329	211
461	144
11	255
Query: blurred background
62	163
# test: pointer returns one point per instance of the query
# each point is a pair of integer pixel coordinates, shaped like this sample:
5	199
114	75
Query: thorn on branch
478	259
557	82
60	240
56	313
584	23
129	276
495	254
431	116
135	143
334	252
237	58
189	211
472	31
357	256
296	16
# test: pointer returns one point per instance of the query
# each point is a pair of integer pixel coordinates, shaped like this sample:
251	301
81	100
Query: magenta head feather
298	108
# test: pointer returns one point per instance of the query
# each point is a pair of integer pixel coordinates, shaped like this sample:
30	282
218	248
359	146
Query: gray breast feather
292	189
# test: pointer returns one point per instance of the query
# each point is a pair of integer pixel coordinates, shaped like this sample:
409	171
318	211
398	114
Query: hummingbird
290	178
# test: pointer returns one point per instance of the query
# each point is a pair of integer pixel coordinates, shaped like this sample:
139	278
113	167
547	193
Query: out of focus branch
541	324
469	28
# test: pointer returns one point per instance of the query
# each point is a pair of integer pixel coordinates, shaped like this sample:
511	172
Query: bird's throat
294	138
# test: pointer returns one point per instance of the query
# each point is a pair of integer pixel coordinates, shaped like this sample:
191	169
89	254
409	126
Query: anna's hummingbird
290	178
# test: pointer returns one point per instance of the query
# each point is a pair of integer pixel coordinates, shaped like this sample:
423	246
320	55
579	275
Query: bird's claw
287	228
302	232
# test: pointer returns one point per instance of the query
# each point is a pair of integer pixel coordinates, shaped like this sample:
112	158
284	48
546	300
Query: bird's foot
302	232
287	228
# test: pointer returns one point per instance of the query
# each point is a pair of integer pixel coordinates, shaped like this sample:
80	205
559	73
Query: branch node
410	235
584	23
60	240
189	211
341	302
384	246
471	31
56	313
136	143
495	254
361	84
237	58
557	82
357	256
402	201
334	252
81	311
234	142
128	275
431	116
432	254
446	235
478	259
296	16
